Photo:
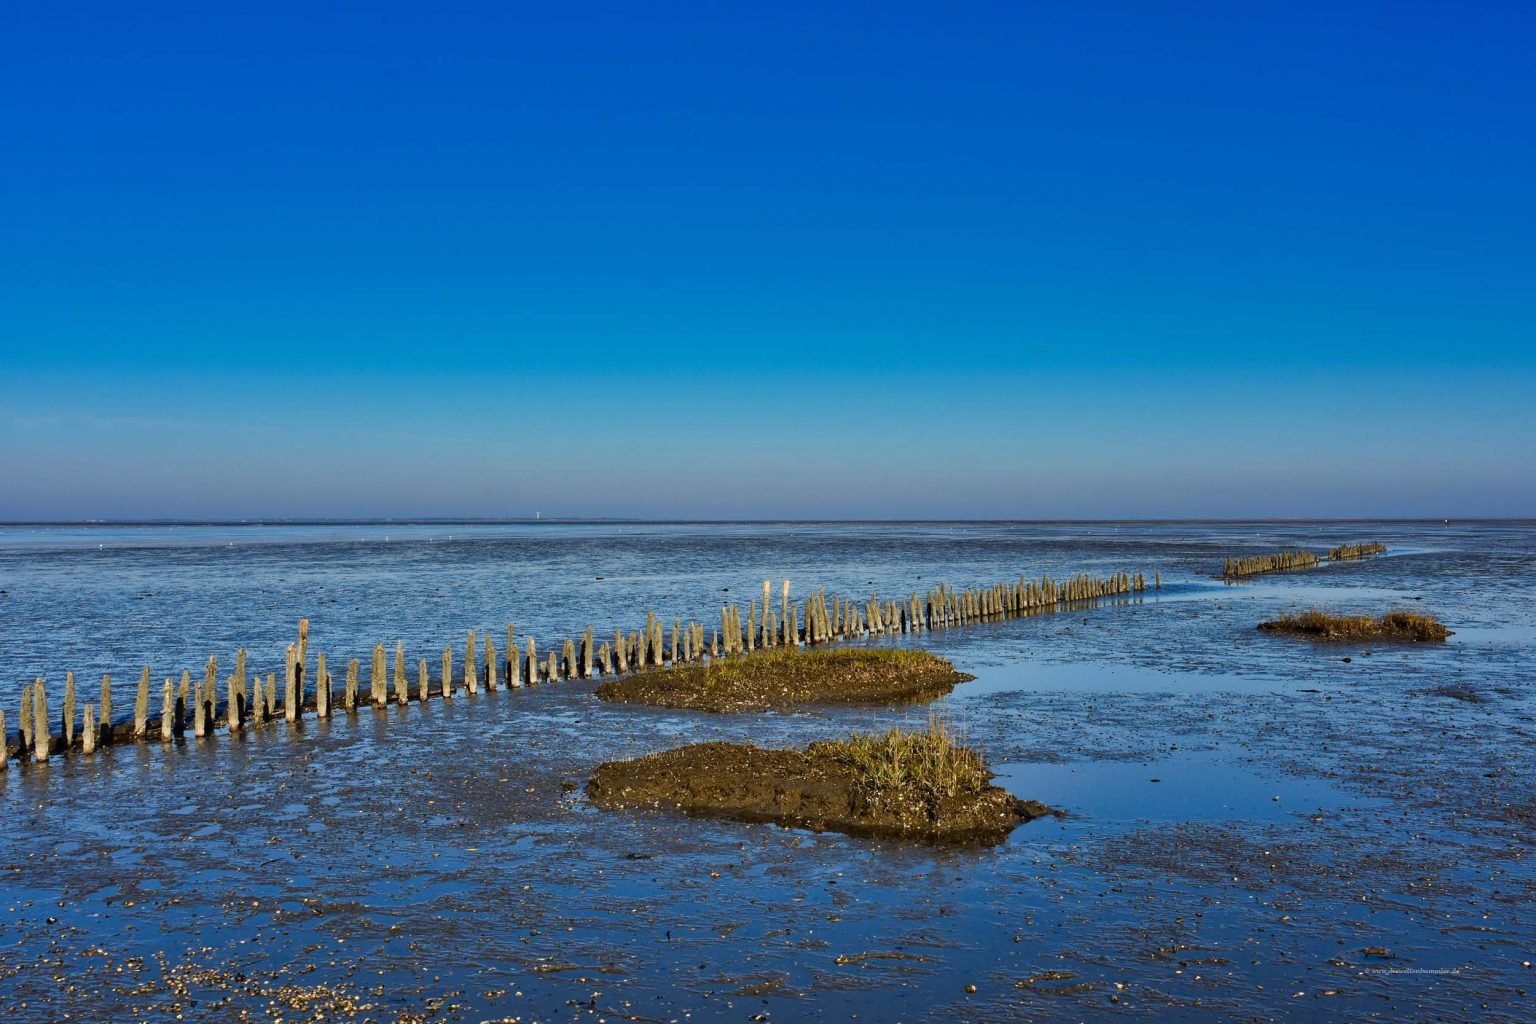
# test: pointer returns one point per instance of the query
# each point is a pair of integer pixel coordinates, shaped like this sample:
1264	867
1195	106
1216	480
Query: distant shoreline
612	521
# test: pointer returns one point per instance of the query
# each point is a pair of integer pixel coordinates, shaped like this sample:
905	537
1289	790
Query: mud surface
787	678
812	788
1256	830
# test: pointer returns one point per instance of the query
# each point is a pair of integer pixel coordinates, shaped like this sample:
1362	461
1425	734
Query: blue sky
802	260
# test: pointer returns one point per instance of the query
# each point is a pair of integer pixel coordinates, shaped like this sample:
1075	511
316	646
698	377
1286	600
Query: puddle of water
1197	786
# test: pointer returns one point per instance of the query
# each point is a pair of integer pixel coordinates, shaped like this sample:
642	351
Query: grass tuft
928	767
1316	624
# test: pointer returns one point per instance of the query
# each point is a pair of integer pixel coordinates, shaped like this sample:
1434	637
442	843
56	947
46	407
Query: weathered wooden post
5	746
586	654
167	709
271	695
492	666
141	707
87	731
322	688
533	663
291	685
471	663
42	733
421	680
568	655
401	697
619	653
26	721
767	638
605	658
377	692
448	672
106	708
211	686
751	627
234	695
552	671
514	670
349	695
69	710
200	713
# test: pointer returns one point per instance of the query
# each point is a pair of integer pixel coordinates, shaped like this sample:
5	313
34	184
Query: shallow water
439	861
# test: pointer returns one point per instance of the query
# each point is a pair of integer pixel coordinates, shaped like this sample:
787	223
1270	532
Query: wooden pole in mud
322	688
106	707
291	686
568	655
605	658
377	694
69	710
141	707
586	654
448	672
621	656
234	694
421	679
87	731
492	666
471	672
533	663
766	640
349	696
271	695
167	710
42	735
200	713
5	746
400	695
25	726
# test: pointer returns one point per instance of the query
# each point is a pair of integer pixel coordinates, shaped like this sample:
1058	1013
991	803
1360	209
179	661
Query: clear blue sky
781	259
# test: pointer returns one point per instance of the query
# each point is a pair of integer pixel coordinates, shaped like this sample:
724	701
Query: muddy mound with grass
1400	627
786	677
918	785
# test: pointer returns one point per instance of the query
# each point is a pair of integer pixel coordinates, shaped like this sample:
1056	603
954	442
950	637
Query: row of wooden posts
1282	561
250	701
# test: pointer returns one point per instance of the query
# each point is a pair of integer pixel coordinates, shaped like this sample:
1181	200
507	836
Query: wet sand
1256	830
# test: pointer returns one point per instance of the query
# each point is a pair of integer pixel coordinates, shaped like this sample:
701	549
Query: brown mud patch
1393	627
786	677
903	785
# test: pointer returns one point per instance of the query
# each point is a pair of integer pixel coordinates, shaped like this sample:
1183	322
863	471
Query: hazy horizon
813	262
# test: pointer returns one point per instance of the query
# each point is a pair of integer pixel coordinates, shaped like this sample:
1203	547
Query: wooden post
586	654
401	696
605	658
421	679
619	653
5	747
751	627
167	706
569	657
69	710
42	734
291	685
377	693
200	713
766	639
243	709
514	671
552	672
211	686
87	731
322	688
271	695
533	663
448	673
25	734
492	666
141	707
234	696
106	708
349	696
471	662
